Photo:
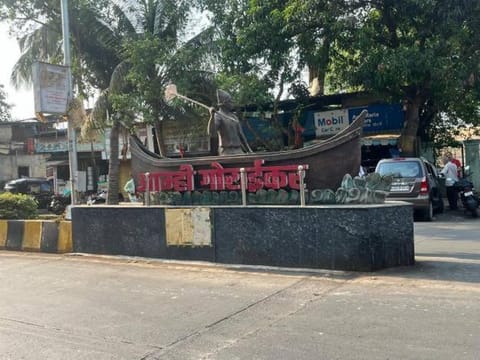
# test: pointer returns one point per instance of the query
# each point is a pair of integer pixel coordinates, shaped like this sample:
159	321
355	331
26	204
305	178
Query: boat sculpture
326	161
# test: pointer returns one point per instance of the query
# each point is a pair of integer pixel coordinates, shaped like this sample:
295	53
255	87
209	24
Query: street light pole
72	141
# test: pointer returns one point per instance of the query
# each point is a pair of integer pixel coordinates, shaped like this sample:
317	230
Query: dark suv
40	188
415	180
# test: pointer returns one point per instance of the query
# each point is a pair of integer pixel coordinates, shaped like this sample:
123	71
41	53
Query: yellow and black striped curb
36	235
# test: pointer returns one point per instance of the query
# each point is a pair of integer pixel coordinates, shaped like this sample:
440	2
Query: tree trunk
316	81
114	165
160	138
408	137
317	69
94	167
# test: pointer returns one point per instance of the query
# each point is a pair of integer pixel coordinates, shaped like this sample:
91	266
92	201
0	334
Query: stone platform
337	237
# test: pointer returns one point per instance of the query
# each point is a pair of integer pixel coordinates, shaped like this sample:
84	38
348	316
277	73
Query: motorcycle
467	195
98	198
101	198
58	204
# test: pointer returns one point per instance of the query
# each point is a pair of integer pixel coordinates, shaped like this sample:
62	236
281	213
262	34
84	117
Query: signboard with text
50	85
380	117
330	122
62	146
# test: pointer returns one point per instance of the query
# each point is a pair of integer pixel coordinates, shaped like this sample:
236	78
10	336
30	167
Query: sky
22	100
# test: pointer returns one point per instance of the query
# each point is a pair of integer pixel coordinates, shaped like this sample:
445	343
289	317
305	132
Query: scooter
467	195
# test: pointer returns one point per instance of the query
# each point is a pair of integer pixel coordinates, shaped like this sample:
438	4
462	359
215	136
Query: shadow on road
435	268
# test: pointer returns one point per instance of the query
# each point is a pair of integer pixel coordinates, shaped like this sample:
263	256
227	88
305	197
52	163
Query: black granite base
357	238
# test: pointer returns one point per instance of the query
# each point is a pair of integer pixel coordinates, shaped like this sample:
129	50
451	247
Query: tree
102	54
95	44
428	61
421	53
38	26
5	107
153	54
273	42
254	43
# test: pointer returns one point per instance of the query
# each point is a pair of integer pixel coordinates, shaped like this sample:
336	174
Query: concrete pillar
472	158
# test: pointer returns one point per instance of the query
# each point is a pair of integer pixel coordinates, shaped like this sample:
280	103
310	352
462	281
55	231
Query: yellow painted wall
188	227
65	243
179	226
32	235
3	233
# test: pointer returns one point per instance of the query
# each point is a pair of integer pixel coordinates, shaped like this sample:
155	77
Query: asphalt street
93	307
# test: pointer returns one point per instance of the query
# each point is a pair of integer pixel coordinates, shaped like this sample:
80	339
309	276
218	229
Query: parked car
40	188
415	180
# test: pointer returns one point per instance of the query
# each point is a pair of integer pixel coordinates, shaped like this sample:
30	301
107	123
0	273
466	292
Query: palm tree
152	56
95	50
94	53
102	52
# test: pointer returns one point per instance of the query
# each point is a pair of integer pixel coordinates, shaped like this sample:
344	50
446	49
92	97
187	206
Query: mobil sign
330	122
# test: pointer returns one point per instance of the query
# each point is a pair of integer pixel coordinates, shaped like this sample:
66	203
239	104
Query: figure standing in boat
225	124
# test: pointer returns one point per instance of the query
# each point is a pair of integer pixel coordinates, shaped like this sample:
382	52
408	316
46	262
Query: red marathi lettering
219	178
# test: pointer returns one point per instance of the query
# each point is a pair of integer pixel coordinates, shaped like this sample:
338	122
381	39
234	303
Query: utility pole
72	141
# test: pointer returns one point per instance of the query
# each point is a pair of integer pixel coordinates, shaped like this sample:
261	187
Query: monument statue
225	124
340	154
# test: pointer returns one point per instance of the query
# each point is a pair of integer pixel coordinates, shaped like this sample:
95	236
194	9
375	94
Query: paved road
77	307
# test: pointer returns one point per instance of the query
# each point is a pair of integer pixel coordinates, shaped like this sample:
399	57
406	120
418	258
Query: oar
171	93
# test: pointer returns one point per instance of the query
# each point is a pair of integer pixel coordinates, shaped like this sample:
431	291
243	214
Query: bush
17	206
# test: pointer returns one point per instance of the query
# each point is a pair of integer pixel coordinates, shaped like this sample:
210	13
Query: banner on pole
50	85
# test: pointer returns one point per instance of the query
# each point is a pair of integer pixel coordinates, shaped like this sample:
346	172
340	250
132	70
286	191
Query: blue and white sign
380	117
330	122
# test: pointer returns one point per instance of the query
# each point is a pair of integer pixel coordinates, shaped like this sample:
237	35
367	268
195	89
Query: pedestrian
129	188
457	163
450	172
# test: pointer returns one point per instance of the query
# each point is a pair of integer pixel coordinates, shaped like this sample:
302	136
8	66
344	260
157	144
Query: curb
36	236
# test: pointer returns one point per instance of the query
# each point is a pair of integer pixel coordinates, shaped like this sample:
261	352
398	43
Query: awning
382	139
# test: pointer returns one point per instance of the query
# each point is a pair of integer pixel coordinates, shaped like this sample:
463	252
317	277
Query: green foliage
430	59
152	54
418	51
245	89
17	206
158	55
38	27
421	52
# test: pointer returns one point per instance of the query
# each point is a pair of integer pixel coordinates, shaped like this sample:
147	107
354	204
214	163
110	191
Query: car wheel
440	206
428	212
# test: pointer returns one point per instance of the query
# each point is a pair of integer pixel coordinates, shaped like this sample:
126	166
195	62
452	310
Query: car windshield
403	169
